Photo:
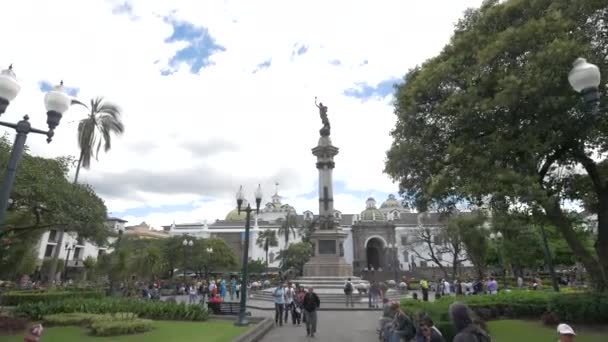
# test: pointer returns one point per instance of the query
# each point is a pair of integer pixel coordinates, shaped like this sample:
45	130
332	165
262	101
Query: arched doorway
373	252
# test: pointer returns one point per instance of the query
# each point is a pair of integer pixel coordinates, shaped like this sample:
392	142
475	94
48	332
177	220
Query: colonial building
378	237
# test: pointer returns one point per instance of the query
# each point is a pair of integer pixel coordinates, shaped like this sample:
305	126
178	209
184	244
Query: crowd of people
301	304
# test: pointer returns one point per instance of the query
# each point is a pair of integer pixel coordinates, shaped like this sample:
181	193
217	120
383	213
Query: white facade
78	249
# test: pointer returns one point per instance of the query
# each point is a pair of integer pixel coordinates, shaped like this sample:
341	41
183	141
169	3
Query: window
100	253
440	257
403	240
423	263
79	241
77	252
52	235
49	251
437	240
406	256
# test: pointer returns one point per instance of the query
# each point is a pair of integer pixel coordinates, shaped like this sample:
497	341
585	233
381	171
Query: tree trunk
78	168
601	244
52	275
556	216
266	250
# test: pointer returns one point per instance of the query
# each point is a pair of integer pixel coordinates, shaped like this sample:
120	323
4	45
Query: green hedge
145	309
114	328
102	324
584	308
12	298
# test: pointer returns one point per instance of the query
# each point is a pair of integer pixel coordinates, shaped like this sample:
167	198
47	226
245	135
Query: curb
318	309
256	333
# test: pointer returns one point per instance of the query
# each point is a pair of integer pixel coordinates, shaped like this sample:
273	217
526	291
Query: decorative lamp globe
9	88
57	100
258	193
584	75
499	235
492	236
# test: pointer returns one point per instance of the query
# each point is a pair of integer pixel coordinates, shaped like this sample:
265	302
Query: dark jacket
311	302
467	330
435	336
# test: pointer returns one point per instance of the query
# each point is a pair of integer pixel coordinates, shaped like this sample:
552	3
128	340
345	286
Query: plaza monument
328	237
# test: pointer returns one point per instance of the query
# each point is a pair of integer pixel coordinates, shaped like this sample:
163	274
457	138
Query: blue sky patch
364	91
264	65
299	50
125	8
201	45
46	86
335	62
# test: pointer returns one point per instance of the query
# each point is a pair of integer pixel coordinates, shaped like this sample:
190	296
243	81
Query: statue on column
325	130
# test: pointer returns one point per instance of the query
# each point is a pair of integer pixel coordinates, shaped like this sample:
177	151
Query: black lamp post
186	243
56	102
68	248
395	251
499	248
240	196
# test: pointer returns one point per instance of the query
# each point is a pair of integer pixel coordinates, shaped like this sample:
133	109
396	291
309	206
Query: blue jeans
396	335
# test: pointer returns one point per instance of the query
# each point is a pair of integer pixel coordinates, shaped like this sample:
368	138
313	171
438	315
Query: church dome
371	213
234	215
391	202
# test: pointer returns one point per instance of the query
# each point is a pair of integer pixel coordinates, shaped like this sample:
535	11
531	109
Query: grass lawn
165	331
526	331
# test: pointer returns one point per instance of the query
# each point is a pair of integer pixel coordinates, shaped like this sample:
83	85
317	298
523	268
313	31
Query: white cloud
269	115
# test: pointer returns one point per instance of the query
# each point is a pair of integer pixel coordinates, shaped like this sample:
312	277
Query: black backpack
348	288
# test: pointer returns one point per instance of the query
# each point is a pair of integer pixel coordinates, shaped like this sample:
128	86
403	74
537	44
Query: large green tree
295	256
493	114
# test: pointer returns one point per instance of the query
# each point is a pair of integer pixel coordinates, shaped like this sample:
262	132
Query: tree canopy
494	115
43	198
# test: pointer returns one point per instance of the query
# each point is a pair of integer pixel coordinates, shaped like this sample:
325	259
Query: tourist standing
520	282
566	333
310	304
492	286
193	295
424	286
375	294
279	304
466	330
238	290
348	292
232	288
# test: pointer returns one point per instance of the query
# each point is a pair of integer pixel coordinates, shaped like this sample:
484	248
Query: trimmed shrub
145	309
585	308
120	327
447	329
84	319
12	298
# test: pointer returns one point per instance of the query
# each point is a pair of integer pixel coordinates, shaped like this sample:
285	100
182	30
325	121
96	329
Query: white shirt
289	294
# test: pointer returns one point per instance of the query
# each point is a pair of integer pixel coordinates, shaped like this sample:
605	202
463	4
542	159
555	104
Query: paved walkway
333	326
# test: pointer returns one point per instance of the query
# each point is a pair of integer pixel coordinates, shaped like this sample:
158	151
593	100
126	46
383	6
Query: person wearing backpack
466	329
348	292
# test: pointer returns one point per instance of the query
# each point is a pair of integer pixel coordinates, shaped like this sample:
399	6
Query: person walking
310	304
375	294
348	292
466	330
289	297
238	290
279	304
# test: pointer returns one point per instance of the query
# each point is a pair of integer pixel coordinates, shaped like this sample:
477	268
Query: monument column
328	237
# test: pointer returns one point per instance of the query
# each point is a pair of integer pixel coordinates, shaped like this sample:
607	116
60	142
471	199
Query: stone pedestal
328	259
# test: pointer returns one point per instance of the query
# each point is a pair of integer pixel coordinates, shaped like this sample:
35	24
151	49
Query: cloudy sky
221	93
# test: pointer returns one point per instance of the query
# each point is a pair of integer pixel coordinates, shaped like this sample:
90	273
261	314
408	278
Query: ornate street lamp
395	251
240	196
498	239
585	78
56	102
186	243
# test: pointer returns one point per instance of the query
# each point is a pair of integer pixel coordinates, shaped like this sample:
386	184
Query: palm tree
267	239
103	120
288	226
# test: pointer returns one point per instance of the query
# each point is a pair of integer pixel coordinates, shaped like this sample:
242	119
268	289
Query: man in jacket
310	304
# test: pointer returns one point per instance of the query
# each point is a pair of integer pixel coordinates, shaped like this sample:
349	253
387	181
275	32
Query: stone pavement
333	326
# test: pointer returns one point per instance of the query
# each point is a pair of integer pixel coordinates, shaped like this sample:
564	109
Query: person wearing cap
566	333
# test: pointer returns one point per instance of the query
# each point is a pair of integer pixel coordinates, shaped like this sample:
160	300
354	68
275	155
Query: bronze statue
325	131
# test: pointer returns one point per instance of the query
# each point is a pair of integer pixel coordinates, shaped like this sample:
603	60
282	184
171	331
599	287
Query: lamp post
497	238
209	251
585	79
56	102
240	196
186	243
68	248
394	250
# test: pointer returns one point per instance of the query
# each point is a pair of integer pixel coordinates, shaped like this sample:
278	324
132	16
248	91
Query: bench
225	308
